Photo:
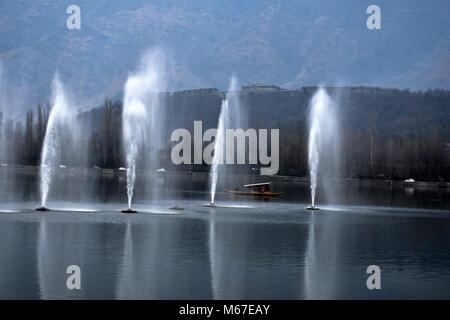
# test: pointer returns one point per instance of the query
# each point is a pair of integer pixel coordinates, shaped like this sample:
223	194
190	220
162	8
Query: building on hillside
260	87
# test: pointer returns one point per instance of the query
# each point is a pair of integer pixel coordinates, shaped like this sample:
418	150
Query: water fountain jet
58	127
322	136
219	144
140	108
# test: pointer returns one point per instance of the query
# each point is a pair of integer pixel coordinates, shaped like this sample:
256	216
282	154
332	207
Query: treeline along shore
386	134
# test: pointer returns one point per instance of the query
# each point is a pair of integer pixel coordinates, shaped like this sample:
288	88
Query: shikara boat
256	190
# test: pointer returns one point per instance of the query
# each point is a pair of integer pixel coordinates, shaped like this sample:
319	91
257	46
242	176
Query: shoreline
277	178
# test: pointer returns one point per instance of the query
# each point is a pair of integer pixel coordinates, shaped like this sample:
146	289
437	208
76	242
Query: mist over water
323	139
58	137
142	117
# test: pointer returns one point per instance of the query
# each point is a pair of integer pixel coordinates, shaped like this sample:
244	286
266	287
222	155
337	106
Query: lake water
243	249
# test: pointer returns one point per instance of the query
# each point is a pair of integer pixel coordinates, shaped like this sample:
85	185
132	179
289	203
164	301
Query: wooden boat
256	190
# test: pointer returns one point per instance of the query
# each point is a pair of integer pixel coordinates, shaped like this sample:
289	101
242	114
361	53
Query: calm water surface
249	249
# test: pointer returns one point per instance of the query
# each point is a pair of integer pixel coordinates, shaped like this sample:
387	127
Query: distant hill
289	43
384	111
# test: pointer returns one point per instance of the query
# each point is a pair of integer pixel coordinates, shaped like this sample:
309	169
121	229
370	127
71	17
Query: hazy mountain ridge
289	43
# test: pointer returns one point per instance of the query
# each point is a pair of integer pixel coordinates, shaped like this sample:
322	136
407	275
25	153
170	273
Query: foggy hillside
289	43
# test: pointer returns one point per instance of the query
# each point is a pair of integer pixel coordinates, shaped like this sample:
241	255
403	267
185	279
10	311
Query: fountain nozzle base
129	210
212	205
312	208
176	208
43	209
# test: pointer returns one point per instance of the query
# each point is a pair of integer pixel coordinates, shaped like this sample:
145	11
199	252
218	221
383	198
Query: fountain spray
322	135
219	144
57	128
141	95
